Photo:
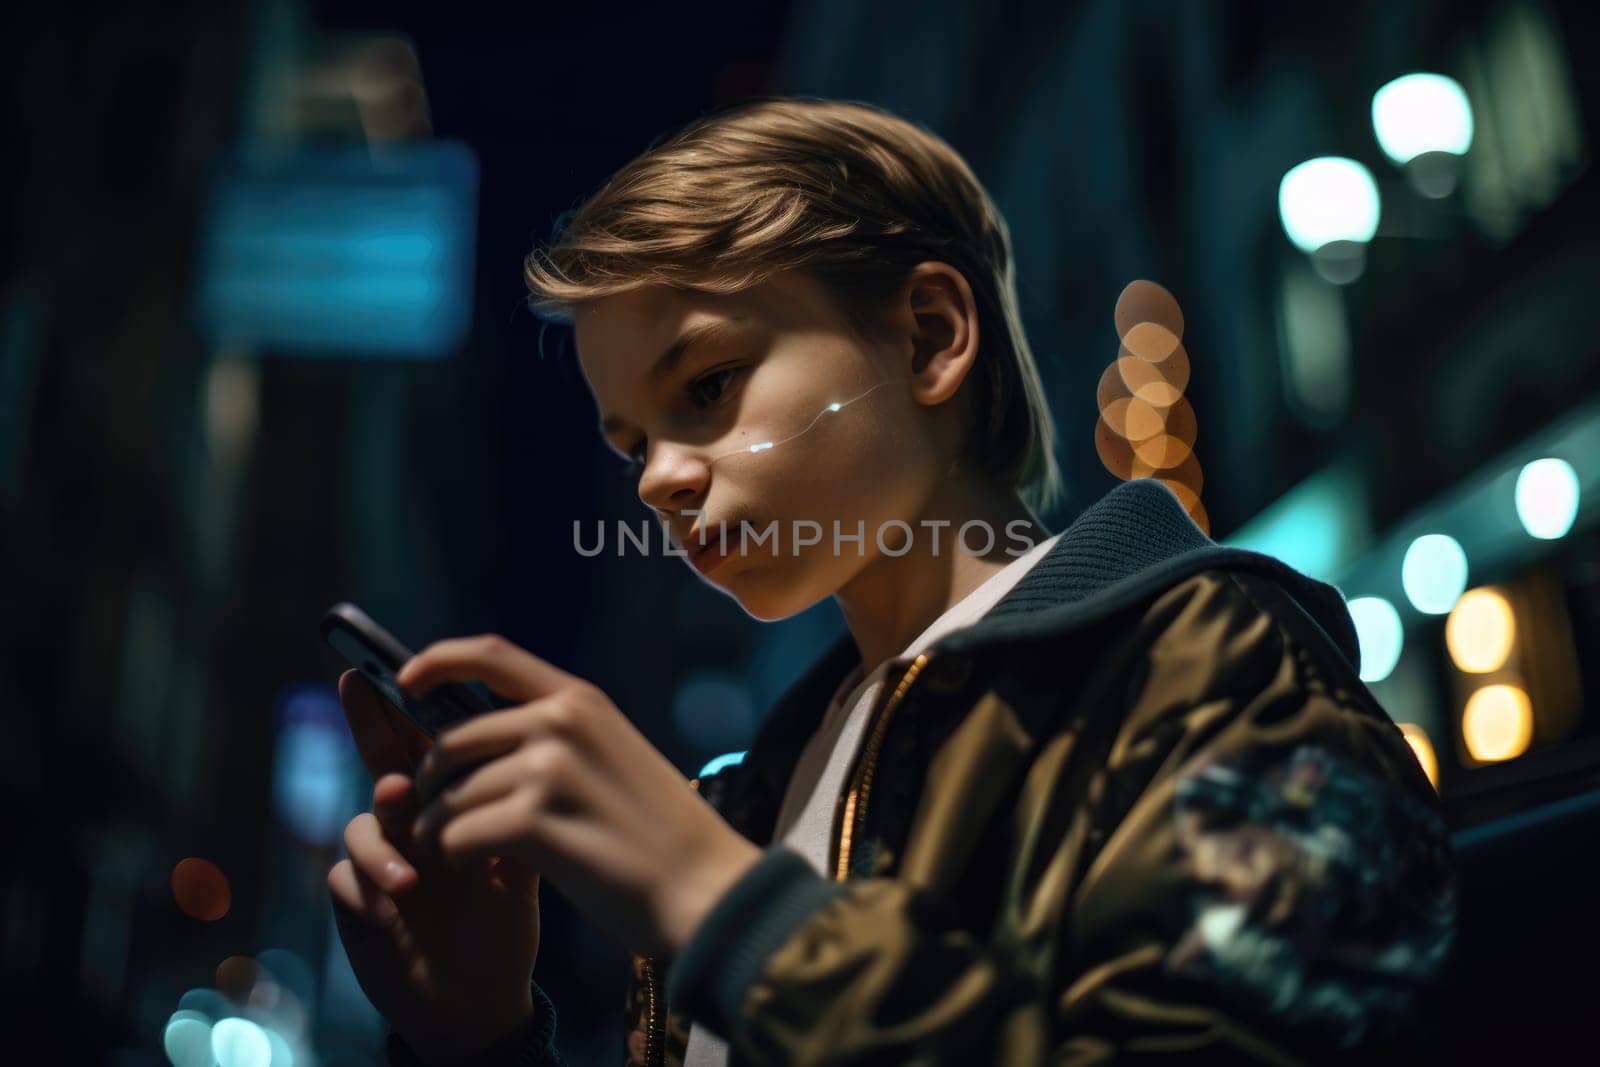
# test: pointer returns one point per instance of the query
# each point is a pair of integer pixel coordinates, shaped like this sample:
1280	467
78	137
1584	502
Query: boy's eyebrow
673	355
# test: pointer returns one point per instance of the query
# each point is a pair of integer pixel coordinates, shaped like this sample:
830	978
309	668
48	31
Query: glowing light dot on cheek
834	406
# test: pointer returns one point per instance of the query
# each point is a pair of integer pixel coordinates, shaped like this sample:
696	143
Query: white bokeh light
1328	199
1547	498
1419	113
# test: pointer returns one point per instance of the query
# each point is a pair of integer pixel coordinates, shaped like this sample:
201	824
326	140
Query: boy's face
771	361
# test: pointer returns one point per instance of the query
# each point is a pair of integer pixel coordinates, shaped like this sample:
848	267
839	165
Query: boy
1095	796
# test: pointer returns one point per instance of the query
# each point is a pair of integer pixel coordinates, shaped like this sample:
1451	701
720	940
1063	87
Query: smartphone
378	655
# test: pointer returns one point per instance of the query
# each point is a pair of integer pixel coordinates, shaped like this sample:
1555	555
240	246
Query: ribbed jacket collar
1134	541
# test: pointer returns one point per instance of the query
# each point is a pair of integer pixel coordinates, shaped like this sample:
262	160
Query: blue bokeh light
1381	635
240	1043
208	1002
322	252
186	1040
715	712
1434	573
310	789
282	1053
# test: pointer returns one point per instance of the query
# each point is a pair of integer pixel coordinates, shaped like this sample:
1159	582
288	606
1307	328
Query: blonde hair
847	192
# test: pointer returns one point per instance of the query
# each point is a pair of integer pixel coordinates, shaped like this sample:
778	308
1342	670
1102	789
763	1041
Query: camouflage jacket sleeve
1250	866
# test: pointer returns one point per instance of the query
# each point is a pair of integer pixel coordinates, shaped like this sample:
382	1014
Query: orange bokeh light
1111	387
201	889
1158	384
1147	428
1422	746
1132	418
1174	441
1151	342
1162	451
1173	368
1186	474
1146	301
1117	454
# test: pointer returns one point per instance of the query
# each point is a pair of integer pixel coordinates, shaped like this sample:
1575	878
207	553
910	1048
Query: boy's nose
672	480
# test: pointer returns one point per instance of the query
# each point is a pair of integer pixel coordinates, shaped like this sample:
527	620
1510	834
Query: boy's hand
445	953
566	784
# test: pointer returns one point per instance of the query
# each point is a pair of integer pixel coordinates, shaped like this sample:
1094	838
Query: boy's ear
942	316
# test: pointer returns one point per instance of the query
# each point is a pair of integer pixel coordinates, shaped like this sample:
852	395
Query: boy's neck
896	598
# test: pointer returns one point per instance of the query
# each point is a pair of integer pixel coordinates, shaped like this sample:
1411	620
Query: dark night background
179	501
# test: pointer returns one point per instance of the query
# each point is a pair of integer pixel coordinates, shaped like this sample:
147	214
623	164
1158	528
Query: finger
394	804
508	670
526	765
522	833
387	740
472	742
502	827
355	897
375	857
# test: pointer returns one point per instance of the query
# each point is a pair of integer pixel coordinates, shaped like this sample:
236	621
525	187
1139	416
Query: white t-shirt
805	821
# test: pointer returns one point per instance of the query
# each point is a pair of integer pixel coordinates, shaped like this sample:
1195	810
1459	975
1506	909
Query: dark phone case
378	655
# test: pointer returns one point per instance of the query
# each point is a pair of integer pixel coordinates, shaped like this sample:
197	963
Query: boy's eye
633	465
716	383
723	377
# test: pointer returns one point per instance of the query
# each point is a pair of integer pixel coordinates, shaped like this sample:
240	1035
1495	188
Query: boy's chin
767	602
778	589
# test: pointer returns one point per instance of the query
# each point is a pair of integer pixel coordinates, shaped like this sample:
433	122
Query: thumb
387	741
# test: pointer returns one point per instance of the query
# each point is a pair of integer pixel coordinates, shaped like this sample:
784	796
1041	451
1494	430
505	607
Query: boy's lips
706	557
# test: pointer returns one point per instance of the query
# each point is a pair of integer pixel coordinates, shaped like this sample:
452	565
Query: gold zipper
855	801
652	1041
654	1028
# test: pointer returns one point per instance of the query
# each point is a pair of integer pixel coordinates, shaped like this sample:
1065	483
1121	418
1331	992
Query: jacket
1143	808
